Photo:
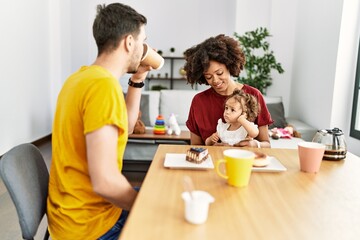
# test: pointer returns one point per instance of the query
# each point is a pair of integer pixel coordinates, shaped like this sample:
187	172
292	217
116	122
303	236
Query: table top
281	205
184	135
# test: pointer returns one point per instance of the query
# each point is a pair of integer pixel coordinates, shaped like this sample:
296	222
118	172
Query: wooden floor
9	225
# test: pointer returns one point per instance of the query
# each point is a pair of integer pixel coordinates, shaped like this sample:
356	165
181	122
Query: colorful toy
173	126
287	132
159	127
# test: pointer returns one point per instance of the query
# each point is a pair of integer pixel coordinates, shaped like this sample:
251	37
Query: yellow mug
238	165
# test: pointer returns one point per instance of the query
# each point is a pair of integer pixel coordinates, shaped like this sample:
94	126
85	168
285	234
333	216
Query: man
88	196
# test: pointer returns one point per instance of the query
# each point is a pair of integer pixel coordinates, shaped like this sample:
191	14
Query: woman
214	62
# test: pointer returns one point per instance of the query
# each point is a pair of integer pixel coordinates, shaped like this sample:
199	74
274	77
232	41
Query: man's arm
106	179
133	97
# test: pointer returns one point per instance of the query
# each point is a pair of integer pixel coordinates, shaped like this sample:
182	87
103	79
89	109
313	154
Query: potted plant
158	87
260	60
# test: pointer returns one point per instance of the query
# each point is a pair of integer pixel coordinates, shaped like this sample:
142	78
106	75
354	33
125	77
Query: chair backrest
26	178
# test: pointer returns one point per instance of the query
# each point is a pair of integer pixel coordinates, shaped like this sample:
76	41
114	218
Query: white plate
178	160
273	166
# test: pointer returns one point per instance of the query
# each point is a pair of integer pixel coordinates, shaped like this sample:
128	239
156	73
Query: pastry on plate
261	160
196	155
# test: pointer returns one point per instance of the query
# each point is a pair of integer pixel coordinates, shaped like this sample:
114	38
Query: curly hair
222	49
248	103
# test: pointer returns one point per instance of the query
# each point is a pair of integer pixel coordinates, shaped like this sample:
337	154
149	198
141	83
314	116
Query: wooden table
184	136
283	205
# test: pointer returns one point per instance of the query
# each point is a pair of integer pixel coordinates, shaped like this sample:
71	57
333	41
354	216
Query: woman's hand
261	141
248	142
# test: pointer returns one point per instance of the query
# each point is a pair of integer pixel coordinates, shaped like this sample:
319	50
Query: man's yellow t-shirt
90	99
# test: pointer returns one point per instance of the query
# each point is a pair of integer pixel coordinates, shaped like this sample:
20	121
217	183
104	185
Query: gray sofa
178	102
276	109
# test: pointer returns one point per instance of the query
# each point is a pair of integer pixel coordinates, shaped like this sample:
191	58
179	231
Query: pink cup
310	156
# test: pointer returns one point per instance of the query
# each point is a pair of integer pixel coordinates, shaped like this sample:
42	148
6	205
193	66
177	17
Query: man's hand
141	73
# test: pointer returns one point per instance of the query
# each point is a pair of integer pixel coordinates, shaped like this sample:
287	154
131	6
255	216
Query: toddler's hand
214	137
243	116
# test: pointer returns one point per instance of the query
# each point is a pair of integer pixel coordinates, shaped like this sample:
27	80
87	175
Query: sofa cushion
277	114
144	108
177	102
272	99
149	107
307	132
276	109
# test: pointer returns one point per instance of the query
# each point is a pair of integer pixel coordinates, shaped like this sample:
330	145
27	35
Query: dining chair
26	178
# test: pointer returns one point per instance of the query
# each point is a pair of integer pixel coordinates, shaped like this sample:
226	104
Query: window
355	116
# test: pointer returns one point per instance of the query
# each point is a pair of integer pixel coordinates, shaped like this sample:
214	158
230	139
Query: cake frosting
197	155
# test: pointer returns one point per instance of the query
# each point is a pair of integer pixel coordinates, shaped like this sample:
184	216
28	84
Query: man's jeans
114	232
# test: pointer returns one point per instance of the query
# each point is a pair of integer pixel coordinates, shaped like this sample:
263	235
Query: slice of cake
197	155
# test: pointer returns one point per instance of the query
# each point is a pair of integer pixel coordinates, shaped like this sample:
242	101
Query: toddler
241	110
